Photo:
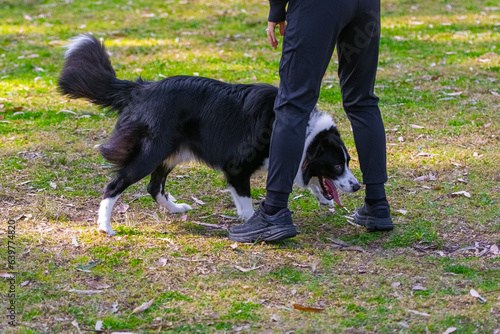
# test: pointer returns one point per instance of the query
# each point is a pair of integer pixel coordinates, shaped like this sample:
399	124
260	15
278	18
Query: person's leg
310	37
358	48
308	44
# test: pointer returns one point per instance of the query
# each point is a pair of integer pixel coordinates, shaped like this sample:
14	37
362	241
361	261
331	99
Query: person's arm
277	10
277	16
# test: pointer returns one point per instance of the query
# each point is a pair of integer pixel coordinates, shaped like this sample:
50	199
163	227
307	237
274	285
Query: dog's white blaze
347	180
318	122
104	219
243	204
76	42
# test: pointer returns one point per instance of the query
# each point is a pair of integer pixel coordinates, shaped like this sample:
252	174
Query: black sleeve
277	10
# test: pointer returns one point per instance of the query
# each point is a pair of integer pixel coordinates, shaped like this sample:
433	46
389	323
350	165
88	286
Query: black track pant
314	28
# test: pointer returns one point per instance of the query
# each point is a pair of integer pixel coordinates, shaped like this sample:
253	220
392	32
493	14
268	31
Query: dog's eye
338	168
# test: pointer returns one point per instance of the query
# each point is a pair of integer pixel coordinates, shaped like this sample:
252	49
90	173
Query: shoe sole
266	234
374	224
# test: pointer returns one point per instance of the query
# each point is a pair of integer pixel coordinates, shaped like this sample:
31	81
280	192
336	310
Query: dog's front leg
243	204
104	219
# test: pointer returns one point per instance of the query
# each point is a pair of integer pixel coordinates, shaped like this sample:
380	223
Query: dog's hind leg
156	189
239	187
139	168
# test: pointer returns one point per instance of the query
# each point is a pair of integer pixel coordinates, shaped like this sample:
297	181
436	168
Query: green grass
438	79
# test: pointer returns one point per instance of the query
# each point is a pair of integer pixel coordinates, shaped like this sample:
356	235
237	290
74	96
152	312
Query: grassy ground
438	83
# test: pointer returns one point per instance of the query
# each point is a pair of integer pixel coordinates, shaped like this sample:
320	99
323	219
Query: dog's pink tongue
330	186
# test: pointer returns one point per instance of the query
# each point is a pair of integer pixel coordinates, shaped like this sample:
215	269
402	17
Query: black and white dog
181	118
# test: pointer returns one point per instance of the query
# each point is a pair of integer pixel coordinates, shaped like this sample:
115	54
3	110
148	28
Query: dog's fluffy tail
88	74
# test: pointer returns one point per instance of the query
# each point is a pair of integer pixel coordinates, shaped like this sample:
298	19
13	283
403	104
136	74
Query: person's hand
271	32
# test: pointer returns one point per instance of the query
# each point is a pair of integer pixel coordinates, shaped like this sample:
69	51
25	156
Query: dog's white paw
246	215
179	208
109	231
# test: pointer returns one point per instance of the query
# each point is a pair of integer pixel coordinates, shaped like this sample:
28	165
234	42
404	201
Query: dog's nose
355	186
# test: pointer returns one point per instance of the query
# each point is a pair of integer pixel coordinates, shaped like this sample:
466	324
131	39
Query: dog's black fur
226	126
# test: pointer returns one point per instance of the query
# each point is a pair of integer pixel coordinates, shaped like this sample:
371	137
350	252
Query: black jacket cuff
277	10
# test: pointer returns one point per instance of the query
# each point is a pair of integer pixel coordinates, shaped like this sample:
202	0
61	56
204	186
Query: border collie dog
182	118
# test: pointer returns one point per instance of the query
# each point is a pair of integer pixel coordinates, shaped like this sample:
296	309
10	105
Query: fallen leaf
220	227
403	324
161	262
314	265
307	308
396	284
416	126
403	212
399	38
234	246
122	208
450	330
90	265
340	242
114	308
230	217
143	307
6	274
184	218
97	285
353	248
466	248
246	269
84	292
66	111
458	193
75	324
419	313
98	325
75	242
494	250
240	328
198	201
418	287
52	185
454	94
475	294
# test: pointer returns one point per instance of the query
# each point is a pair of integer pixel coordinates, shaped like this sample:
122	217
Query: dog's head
325	167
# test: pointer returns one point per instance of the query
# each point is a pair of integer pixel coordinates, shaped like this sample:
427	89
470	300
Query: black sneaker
262	227
376	217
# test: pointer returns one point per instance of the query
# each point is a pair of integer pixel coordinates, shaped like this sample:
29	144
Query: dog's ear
314	149
306	170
